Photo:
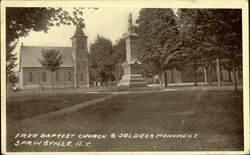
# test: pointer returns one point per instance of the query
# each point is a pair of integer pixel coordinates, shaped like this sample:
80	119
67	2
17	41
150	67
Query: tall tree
51	61
11	64
118	57
100	59
211	34
231	38
192	35
158	41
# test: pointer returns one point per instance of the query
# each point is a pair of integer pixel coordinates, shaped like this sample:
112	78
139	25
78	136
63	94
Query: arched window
69	76
57	76
44	76
30	77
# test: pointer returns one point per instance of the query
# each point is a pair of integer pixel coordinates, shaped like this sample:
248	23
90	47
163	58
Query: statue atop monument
130	25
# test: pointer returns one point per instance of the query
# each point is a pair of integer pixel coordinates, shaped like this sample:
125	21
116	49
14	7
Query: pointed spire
79	32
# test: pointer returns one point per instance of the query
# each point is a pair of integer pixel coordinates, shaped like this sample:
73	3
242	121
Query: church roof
29	55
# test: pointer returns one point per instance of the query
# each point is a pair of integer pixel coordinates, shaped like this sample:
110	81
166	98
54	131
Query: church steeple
79	40
80	58
79	32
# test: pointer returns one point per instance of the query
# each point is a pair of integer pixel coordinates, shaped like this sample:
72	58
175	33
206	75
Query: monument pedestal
132	76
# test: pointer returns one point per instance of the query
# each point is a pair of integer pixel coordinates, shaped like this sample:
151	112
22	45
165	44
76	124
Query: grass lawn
131	89
25	106
217	116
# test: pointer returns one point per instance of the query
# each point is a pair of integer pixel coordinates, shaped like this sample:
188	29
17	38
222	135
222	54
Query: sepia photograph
85	78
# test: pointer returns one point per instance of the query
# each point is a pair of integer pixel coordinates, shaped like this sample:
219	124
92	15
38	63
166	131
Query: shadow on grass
217	116
30	105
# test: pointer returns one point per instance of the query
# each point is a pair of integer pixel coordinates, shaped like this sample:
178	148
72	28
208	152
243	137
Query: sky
110	23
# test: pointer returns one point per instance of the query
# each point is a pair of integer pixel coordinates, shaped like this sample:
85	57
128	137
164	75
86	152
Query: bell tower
80	57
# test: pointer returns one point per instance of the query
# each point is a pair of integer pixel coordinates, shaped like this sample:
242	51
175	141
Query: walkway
64	110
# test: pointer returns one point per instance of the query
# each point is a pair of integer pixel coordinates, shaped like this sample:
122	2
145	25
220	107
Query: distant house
74	72
186	76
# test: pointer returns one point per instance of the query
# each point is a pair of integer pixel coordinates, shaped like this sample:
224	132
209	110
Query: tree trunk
165	79
160	78
218	72
211	75
52	80
195	74
229	76
205	74
172	75
235	79
116	74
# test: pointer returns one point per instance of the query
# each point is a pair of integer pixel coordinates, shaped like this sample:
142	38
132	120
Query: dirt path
76	107
65	110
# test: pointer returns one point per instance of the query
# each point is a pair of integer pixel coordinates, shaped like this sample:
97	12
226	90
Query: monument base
132	80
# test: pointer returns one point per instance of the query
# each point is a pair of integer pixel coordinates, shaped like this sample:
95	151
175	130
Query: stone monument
131	66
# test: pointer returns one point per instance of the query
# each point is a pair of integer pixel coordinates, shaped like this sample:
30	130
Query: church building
74	72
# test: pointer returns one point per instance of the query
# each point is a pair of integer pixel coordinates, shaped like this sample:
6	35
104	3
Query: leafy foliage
118	57
106	59
158	40
208	34
192	35
11	64
20	21
51	59
100	64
